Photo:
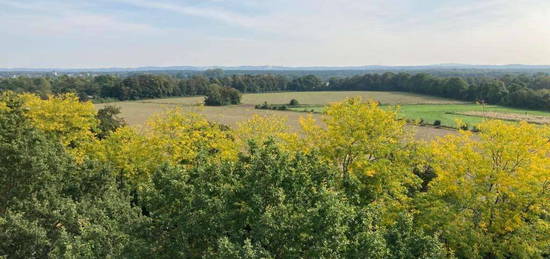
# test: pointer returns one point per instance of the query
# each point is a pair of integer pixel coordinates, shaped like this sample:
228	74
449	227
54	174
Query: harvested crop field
136	113
328	97
318	98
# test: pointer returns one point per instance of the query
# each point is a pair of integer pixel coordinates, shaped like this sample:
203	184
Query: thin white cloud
65	19
279	32
210	13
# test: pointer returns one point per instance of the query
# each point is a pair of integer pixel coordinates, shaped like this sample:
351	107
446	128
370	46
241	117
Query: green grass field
449	113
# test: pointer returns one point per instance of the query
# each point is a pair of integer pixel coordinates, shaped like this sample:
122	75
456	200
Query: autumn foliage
352	185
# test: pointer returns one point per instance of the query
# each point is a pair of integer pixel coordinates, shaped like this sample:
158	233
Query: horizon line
199	67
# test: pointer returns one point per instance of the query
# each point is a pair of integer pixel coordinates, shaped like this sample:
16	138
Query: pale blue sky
130	33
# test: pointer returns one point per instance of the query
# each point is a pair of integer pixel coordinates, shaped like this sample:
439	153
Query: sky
134	33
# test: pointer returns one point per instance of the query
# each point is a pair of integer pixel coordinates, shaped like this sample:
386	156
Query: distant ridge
448	66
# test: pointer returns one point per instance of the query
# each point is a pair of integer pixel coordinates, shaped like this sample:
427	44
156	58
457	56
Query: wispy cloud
64	19
276	32
207	12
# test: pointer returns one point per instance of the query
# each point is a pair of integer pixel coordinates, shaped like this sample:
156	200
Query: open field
531	118
319	98
411	106
137	112
471	114
328	97
448	114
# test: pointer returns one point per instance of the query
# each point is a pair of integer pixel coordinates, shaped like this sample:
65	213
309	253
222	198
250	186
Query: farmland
137	112
411	106
471	114
327	97
319	98
448	114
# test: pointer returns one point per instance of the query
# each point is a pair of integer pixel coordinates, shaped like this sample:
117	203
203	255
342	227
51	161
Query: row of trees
355	185
519	91
140	86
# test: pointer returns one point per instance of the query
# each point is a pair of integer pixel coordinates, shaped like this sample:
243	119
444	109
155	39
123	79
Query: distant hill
284	68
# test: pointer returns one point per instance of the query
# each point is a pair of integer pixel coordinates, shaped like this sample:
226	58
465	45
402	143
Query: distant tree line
519	91
525	91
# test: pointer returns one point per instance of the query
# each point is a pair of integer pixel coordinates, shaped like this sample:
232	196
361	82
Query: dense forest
523	91
76	183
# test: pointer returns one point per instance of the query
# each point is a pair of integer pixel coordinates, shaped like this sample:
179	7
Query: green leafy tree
293	102
108	120
51	207
217	95
270	204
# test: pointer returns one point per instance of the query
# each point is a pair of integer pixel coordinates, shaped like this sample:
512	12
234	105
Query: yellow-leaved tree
129	153
262	128
369	146
63	117
3	105
491	195
174	136
181	135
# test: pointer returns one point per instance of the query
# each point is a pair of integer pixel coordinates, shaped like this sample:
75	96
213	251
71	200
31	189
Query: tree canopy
217	95
352	185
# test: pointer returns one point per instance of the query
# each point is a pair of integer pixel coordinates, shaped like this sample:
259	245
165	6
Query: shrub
464	127
282	108
437	123
294	102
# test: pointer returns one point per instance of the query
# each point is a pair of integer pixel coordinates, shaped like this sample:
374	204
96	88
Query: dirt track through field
510	116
